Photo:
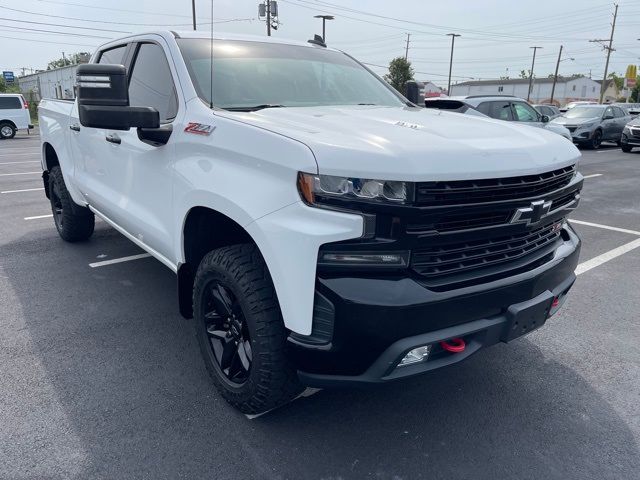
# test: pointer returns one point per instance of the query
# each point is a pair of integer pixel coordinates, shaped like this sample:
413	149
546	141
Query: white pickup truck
324	230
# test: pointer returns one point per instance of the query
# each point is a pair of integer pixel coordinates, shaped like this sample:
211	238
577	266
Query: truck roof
169	34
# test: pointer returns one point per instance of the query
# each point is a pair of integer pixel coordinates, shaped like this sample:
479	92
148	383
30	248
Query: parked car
501	107
324	231
590	125
632	108
630	135
571	105
550	111
14	115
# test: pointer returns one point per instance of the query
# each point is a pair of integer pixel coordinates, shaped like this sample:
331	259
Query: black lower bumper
632	141
378	320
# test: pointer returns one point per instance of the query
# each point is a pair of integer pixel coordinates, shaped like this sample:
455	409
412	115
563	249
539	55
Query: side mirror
103	100
544	118
607	117
412	92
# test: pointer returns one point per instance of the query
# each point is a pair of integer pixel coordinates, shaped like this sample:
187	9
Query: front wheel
596	140
626	148
7	131
240	330
73	222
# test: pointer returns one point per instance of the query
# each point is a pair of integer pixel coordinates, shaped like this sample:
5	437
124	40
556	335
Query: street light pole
324	20
533	63
453	41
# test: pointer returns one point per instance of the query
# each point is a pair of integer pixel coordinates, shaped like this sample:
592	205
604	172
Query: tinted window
151	83
10	103
608	112
500	110
113	56
525	113
619	112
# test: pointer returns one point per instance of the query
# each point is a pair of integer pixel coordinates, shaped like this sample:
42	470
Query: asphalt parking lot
101	378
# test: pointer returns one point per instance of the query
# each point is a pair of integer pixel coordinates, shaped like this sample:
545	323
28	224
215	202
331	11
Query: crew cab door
609	124
130	181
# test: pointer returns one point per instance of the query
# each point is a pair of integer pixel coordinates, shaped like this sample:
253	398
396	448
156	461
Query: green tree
72	59
400	72
8	88
619	80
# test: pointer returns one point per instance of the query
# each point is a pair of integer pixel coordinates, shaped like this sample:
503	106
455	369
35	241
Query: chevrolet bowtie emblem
532	214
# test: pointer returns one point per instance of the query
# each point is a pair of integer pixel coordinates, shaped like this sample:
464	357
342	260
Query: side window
10	103
113	56
500	110
618	112
524	112
151	83
608	112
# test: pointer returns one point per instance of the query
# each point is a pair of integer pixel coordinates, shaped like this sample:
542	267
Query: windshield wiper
254	108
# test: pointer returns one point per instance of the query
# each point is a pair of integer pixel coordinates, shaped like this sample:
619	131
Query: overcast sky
496	34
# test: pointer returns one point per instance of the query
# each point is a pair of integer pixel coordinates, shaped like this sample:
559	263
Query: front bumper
378	320
629	139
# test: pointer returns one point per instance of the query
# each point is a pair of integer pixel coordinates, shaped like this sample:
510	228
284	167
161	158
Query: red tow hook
455	345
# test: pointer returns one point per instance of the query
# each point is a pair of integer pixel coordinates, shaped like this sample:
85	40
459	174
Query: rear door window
10	103
499	109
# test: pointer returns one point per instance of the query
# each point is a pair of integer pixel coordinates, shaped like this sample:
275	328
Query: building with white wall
56	83
568	89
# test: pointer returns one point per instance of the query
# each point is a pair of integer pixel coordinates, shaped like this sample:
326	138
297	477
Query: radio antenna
211	53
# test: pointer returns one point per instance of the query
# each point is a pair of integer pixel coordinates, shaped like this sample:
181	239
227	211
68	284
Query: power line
64	26
68	34
45	41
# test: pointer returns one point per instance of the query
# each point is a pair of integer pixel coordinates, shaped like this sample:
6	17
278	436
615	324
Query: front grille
462	192
480	254
635	132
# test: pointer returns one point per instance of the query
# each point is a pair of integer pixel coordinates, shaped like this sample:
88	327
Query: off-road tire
272	379
74	223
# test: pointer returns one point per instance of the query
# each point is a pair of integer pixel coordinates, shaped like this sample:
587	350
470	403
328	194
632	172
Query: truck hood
414	144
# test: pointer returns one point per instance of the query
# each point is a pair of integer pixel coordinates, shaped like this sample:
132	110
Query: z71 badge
199	128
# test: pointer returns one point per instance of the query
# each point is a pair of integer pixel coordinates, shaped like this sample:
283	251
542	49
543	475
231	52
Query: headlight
315	189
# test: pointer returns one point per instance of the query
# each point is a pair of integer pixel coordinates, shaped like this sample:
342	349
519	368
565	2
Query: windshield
584	112
252	75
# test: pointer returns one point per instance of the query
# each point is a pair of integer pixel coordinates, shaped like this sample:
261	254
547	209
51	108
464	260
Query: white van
14	115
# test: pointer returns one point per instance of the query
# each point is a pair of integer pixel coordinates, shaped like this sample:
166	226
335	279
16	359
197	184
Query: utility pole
453	41
533	64
268	5
64	59
406	50
555	76
193	13
609	48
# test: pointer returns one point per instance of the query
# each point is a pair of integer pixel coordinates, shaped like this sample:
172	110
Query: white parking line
18	154
605	227
118	260
18	163
593	176
39	216
605	257
21	173
25	190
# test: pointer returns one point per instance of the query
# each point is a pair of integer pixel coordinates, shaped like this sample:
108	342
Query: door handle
113	138
75	127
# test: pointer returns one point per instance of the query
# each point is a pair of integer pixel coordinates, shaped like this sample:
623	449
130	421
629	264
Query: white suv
14	115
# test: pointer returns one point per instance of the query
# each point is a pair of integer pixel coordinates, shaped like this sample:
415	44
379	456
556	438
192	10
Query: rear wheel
73	222
626	148
7	131
596	140
240	330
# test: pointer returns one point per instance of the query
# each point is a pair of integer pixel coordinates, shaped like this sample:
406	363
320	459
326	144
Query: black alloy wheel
56	206
228	333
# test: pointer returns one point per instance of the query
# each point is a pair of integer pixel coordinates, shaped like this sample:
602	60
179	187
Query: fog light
416	355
